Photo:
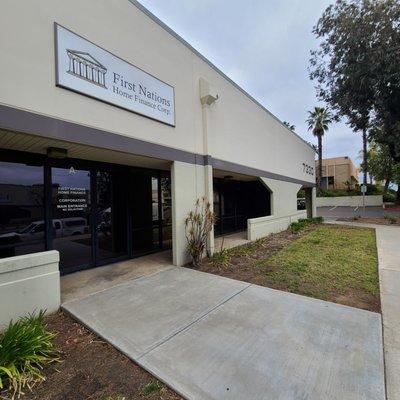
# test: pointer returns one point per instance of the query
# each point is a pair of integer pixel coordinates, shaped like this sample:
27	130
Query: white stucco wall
188	185
260	227
350	201
29	283
283	210
239	131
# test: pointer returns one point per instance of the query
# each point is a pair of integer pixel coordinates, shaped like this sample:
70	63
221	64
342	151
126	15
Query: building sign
71	199
88	69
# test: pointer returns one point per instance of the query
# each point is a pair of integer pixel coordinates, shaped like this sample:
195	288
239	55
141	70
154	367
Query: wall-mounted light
208	95
56	152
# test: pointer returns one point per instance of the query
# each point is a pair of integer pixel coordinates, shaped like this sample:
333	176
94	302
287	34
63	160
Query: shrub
389	197
198	224
152	387
304	222
356	217
373	189
296	226
25	347
318	220
391	219
222	257
301	194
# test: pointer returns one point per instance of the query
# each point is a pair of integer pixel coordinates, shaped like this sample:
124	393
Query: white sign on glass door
88	69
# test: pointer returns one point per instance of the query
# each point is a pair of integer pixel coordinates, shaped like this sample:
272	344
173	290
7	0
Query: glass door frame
18	157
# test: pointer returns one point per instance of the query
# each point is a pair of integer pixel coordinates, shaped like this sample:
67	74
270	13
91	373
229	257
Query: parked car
36	230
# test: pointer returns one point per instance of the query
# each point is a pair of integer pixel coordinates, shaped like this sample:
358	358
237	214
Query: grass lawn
328	262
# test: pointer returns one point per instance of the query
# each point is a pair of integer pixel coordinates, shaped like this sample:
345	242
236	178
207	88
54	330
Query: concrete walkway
232	240
82	283
210	337
388	246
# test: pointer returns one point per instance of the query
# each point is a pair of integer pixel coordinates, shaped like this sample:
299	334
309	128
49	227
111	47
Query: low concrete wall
349	201
29	283
264	226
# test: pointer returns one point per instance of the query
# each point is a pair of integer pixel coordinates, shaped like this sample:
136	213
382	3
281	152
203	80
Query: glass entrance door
146	214
71	216
111	217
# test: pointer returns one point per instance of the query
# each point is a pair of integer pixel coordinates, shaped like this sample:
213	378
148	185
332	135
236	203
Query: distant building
337	171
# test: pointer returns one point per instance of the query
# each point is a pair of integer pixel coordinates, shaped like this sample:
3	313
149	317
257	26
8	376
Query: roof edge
163	25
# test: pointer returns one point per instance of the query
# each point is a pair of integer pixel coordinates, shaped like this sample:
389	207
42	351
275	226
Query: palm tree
318	121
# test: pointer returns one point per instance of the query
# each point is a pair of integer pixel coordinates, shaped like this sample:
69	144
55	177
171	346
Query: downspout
207	98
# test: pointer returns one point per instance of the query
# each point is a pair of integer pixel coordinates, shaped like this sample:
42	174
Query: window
38	228
22	228
71	204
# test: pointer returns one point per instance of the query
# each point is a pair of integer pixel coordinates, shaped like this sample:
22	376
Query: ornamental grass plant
25	348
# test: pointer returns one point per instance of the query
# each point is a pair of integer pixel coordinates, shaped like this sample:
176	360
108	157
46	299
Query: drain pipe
207	98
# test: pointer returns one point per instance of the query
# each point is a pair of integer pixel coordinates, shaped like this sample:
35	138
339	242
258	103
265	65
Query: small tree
380	164
198	224
348	185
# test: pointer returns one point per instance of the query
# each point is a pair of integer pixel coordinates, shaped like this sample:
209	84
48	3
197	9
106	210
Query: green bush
222	257
337	193
25	347
317	220
301	194
153	387
304	222
373	189
389	197
391	219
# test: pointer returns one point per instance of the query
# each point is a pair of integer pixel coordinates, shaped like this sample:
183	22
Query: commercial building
338	173
111	126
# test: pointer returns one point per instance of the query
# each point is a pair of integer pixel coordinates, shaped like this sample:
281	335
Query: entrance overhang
18	141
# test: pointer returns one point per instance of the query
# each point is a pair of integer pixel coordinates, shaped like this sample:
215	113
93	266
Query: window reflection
71	216
145	214
21	209
111	221
166	201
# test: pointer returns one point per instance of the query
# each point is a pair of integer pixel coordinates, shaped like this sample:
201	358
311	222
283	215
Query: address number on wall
308	169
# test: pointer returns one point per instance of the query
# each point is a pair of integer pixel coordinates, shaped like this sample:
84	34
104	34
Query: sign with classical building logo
88	69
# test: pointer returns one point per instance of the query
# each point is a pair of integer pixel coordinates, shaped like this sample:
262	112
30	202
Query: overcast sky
264	46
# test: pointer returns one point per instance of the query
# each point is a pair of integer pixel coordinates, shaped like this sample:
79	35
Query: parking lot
332	213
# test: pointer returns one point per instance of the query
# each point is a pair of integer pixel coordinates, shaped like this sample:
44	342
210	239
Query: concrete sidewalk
209	337
388	246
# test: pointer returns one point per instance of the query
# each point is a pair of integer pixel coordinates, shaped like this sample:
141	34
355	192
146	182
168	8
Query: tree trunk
365	158
398	194
386	187
319	181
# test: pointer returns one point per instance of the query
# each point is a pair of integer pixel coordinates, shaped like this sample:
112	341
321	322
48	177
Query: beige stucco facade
233	135
337	171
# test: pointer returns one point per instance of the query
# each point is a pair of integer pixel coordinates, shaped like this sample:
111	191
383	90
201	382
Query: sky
264	46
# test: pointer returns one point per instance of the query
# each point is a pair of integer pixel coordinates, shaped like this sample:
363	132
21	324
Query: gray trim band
242	169
40	125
